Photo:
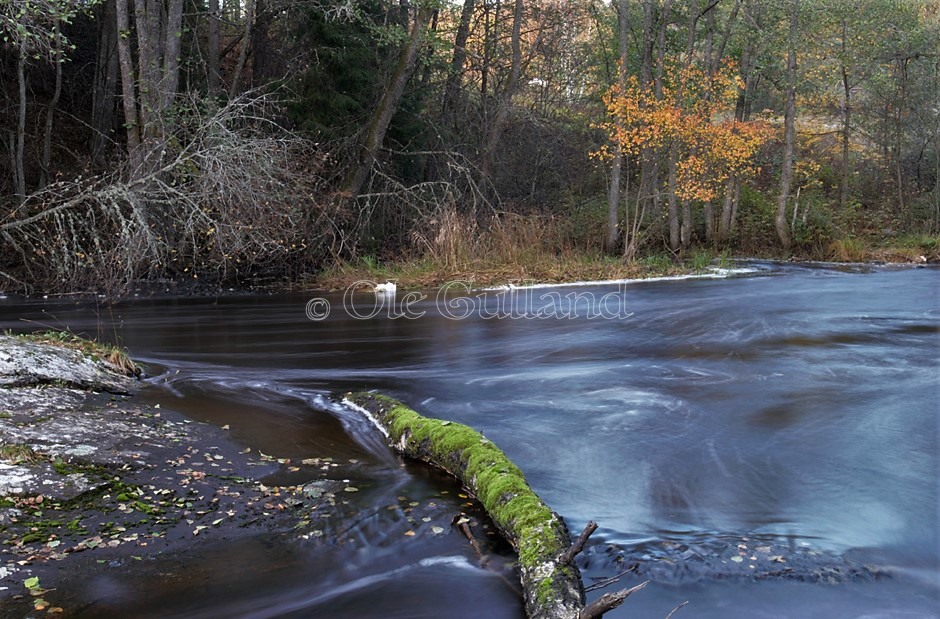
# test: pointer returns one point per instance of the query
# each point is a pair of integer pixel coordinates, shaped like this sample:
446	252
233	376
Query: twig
609	581
463	525
673	611
608	601
568	556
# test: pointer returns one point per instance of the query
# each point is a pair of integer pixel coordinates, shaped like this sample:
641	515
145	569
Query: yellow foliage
695	116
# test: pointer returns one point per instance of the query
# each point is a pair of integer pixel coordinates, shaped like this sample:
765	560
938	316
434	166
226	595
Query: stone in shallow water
728	558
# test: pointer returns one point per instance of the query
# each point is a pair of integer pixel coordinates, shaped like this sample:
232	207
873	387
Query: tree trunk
147	25
685	230
685	224
646	66
673	209
19	171
613	204
51	109
214	77
485	63
789	123
661	50
551	581
170	78
104	86
649	165
263	58
846	123
495	130
455	71
898	131
159	35
613	194
726	36
132	121
382	116
709	222
243	53
724	224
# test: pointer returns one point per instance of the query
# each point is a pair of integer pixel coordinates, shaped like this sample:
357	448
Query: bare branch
608	602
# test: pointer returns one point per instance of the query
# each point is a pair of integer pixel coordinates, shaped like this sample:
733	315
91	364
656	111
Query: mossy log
551	582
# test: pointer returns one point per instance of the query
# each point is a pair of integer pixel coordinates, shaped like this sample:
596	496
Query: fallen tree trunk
551	582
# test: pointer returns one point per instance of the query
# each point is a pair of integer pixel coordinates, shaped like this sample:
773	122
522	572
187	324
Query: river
762	445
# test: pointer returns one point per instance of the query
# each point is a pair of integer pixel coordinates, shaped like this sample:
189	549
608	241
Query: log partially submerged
551	582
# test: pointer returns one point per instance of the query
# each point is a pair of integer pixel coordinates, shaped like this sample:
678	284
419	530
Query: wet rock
317	489
28	363
732	558
86	471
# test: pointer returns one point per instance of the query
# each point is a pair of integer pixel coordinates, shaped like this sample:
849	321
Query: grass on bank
507	250
542	265
113	355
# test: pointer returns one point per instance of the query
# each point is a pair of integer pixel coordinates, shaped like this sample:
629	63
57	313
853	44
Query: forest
233	141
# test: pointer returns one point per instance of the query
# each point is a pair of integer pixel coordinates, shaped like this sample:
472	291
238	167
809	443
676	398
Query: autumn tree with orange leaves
692	120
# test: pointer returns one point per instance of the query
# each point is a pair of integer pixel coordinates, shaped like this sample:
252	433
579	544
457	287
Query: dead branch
673	611
232	191
609	581
463	525
608	602
578	546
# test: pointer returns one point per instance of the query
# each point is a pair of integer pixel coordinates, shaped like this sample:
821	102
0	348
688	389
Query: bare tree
58	59
452	87
243	52
104	87
495	130
374	135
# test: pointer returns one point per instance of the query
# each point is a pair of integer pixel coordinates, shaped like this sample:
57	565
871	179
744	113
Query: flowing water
761	446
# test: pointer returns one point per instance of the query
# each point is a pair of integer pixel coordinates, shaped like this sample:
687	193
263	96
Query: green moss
545	590
62	467
487	472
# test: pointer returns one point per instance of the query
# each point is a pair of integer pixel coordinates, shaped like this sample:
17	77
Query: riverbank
537	267
91	476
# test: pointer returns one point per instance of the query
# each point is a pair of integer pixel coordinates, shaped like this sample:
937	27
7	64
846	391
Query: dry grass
849	250
115	357
910	249
510	248
19	454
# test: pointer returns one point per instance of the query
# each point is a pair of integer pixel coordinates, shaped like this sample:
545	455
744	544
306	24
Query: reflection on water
799	407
